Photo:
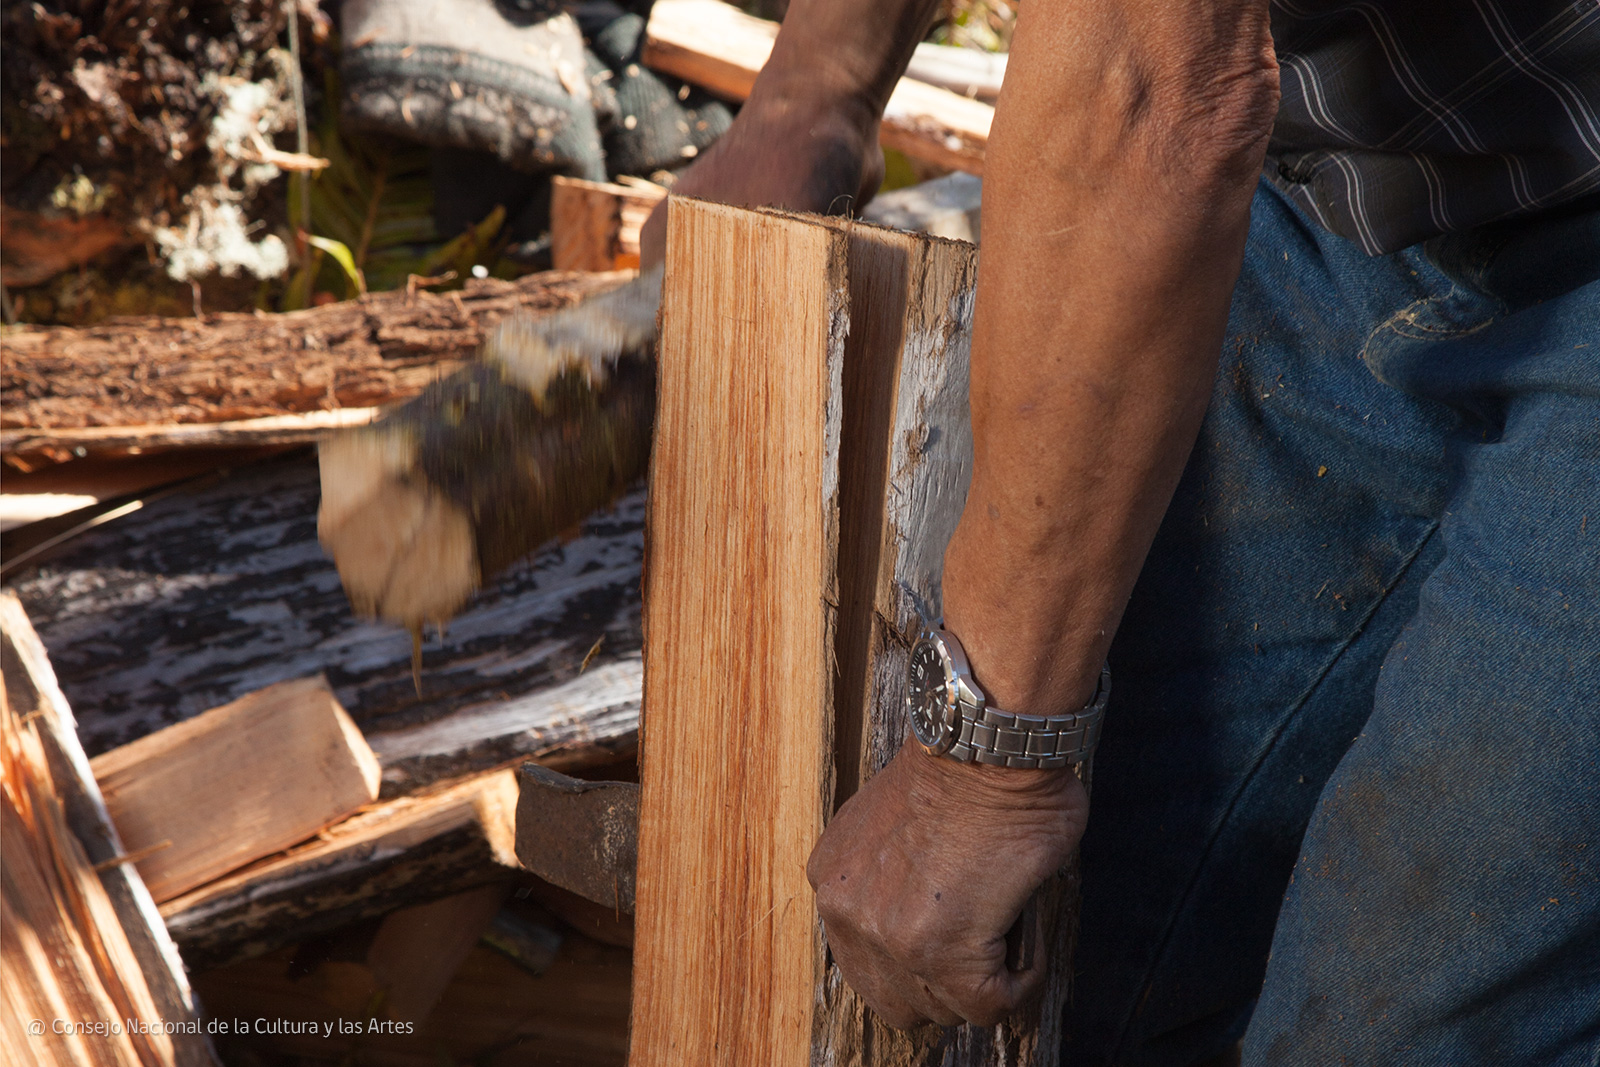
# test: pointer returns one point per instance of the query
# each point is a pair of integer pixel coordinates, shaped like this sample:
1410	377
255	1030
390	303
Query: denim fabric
1373	609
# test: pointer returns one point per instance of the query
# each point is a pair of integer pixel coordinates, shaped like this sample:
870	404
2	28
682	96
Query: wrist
1032	654
975	787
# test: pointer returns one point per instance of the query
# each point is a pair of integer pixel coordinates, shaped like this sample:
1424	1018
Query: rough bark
159	372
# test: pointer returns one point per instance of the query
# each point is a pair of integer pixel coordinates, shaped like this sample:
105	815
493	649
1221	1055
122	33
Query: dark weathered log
404	852
204	596
154	373
581	836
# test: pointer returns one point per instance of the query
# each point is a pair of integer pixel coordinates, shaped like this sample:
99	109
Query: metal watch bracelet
1002	739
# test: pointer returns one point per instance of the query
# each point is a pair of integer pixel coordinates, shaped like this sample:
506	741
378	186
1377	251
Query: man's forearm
845	53
806	140
1116	200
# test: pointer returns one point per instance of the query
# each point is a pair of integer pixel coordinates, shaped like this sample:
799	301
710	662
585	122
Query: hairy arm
1116	199
1117	185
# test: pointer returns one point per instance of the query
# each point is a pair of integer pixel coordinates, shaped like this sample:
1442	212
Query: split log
595	225
73	905
146	383
719	47
209	594
239	782
742	599
403	852
796	544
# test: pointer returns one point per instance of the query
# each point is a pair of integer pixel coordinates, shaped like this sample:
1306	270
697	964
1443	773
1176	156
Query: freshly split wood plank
154	382
242	781
54	962
719	47
739	623
82	938
595	225
444	840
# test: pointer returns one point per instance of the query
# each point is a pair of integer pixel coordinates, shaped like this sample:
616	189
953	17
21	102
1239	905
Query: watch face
931	696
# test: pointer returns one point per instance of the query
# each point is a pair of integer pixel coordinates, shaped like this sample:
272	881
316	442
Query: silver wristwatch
950	715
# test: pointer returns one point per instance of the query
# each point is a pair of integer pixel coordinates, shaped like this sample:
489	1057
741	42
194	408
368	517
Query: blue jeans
1348	795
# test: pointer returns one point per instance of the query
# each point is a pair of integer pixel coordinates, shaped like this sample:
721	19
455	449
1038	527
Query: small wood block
417	950
239	782
594	226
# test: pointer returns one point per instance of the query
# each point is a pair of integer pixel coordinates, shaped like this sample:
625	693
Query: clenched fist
922	873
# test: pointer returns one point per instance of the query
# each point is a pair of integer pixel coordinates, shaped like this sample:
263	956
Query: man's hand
922	873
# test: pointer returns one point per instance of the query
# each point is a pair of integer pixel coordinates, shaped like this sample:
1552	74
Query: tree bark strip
231	367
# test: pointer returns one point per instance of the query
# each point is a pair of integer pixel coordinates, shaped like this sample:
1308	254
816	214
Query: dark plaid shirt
1403	119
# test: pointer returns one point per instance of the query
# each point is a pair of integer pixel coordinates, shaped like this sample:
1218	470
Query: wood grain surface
741	601
82	932
239	782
